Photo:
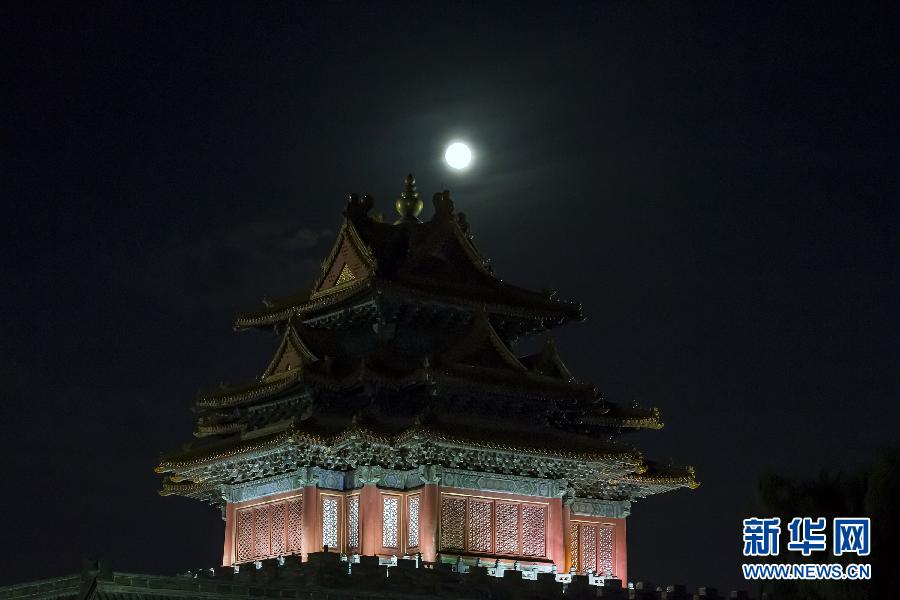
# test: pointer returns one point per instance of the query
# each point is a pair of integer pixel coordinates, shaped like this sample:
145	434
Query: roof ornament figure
443	205
409	205
358	207
464	224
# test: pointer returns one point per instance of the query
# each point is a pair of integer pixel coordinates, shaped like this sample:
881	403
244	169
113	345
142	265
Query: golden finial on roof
409	205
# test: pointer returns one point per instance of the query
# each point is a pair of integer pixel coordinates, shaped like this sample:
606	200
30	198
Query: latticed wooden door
268	530
493	526
593	548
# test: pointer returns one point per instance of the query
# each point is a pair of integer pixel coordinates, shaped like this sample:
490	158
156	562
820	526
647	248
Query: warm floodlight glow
458	155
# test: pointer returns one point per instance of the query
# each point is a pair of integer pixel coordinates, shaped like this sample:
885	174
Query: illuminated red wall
430	519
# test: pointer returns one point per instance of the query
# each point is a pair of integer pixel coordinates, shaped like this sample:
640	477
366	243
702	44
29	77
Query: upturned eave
296	435
250	392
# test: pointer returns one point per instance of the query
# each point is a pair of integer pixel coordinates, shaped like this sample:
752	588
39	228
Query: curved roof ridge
255	390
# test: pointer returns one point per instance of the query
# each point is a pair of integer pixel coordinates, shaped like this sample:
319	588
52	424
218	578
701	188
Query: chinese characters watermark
807	535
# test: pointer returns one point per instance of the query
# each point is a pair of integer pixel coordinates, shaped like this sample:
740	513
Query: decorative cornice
395	479
589	507
409	479
430	473
421	456
510	484
294	436
325	479
268	486
336	480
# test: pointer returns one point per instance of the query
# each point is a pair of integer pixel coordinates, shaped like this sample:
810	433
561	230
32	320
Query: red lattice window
261	533
593	548
412	521
331	519
390	521
276	514
481	526
589	548
244	536
534	527
606	543
353	523
489	526
268	530
507	528
453	523
294	531
574	544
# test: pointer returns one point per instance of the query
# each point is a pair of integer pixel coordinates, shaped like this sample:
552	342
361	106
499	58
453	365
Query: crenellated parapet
363	577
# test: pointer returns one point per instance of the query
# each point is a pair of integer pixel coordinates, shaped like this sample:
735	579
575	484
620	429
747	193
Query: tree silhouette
873	492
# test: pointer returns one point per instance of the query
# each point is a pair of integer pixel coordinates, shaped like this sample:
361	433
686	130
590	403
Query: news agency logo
807	536
850	535
761	536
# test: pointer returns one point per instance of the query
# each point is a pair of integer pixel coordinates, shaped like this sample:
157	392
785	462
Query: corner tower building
396	418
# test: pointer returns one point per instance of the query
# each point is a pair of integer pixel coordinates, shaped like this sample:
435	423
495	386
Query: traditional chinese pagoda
395	416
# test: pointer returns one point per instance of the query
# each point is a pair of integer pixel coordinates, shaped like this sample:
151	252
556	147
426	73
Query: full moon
458	155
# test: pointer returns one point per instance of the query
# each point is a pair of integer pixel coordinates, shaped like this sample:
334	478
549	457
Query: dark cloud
235	265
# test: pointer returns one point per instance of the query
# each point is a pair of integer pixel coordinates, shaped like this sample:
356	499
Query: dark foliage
871	492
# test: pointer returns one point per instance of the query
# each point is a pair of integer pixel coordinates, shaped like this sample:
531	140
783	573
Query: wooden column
557	525
429	515
370	513
310	525
228	550
567	540
621	552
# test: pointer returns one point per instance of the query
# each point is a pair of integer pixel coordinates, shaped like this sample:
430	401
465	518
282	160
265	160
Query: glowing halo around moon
458	155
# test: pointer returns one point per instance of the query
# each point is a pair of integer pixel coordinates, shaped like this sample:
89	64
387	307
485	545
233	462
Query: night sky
715	182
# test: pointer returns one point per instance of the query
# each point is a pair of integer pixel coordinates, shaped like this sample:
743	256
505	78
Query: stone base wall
326	575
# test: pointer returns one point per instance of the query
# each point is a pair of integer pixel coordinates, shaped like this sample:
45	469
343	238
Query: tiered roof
432	261
407	339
